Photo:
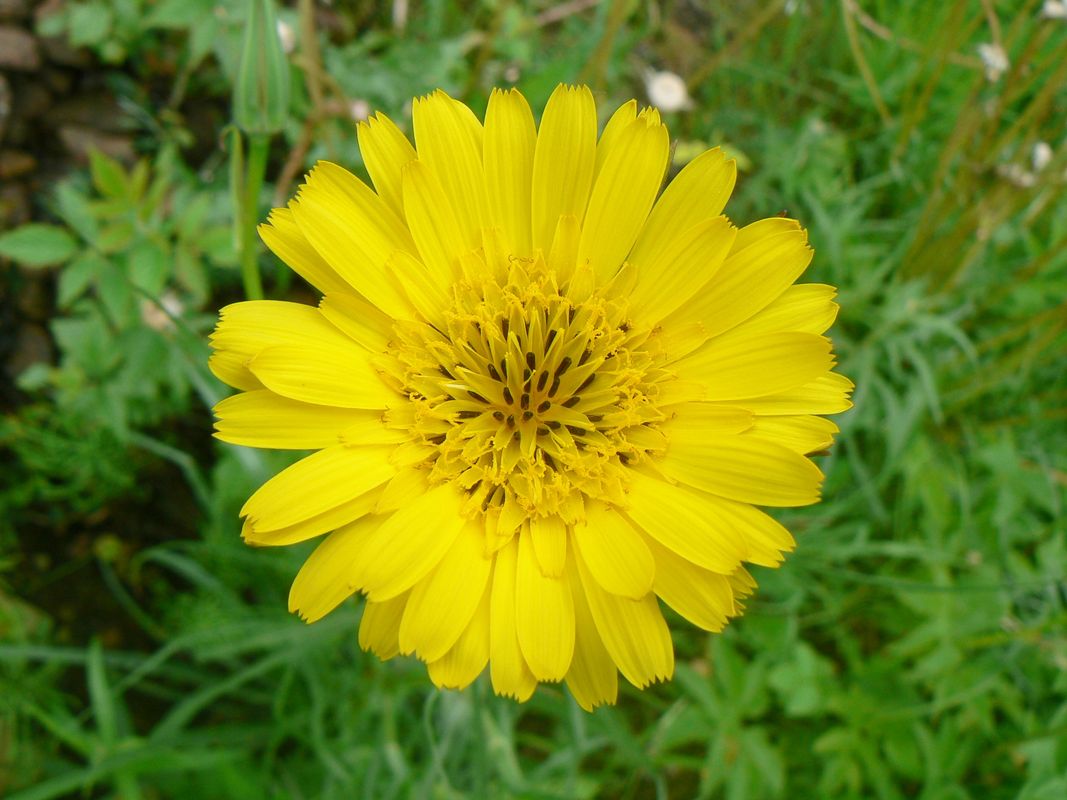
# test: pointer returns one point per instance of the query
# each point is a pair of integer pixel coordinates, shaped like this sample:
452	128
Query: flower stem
258	148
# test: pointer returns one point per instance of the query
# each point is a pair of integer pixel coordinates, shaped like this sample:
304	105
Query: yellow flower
541	398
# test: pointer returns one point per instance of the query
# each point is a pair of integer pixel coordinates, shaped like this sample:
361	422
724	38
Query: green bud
261	91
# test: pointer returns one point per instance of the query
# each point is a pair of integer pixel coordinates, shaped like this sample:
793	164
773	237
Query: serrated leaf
38	245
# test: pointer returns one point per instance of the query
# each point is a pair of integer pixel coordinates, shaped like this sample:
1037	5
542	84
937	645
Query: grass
915	645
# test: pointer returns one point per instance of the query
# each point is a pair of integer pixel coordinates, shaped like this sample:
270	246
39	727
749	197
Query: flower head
542	399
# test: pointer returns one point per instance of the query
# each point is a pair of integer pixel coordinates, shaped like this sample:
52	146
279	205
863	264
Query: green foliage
915	645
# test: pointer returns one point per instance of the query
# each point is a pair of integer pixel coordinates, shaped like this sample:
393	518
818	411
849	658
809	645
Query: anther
586	354
586	382
505	326
439	439
527	416
511	421
476	396
575	430
551	338
524	401
542	379
555	424
542	430
493	373
468	414
541	409
498	416
555	387
507	396
564	365
571	402
526	373
530	362
549	461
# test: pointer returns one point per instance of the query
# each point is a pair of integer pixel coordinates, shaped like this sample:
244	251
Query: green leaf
76	210
90	23
109	177
148	267
100	695
77	276
38	245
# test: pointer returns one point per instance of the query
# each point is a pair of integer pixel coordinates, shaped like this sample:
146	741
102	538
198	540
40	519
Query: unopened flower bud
261	90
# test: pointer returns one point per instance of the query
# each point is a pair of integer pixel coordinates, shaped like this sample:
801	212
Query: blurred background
914	646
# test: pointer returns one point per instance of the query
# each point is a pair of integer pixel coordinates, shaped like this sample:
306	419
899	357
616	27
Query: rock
79	140
18	49
32	99
14	205
5	104
14	163
91	109
32	346
59	81
14	9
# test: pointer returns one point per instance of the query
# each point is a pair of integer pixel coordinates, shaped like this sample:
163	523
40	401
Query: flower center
532	395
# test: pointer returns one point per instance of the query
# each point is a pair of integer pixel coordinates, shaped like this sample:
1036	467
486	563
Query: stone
80	140
18	50
14	163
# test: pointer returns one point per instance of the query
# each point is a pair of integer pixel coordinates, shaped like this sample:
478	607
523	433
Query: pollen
534	394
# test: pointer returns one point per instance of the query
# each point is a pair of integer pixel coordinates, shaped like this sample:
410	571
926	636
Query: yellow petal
507	667
804	307
563	161
827	394
328	374
326	578
313	526
614	552
623	116
747	282
684	521
634	164
564	253
426	291
443	602
510	137
756	366
246	328
445	144
458	668
593	677
760	229
357	318
549	536
802	434
385	150
264	419
317	484
379	627
633	631
701	596
282	235
703	420
411	542
744	468
354	231
697	193
544	616
681	270
433	224
407	483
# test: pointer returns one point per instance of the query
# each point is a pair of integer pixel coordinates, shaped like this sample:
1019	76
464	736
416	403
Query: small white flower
287	36
359	110
1016	175
1041	155
666	91
995	60
1054	9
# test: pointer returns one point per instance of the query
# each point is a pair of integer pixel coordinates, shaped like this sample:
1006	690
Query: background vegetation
915	645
